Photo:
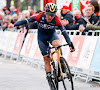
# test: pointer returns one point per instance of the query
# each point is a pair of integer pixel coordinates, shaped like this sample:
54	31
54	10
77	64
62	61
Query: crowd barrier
85	61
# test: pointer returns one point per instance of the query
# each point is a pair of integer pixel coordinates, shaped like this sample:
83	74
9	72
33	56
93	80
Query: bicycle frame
61	63
58	56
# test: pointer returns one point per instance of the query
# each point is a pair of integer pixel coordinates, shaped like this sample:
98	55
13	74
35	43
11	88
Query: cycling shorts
43	40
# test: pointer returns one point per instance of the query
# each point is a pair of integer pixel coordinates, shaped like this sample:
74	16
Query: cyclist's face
50	16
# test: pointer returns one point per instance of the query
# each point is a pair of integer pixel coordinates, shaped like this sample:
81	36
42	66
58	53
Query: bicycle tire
67	81
54	75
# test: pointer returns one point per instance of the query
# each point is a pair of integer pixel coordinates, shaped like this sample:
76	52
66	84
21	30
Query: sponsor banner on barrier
29	44
18	43
66	49
24	45
12	41
1	39
33	47
74	57
87	52
37	54
95	65
5	40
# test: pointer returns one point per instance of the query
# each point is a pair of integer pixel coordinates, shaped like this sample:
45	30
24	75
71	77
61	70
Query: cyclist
46	32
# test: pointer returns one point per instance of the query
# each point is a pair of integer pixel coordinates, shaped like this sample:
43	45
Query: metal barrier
78	72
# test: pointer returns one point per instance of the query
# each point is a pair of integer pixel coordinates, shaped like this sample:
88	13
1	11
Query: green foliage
23	5
38	6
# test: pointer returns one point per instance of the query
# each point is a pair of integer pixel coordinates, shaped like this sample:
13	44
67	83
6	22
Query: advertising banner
74	57
95	65
29	44
75	5
18	43
66	49
12	42
87	52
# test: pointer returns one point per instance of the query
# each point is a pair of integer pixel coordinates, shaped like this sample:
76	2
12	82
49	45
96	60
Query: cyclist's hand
72	50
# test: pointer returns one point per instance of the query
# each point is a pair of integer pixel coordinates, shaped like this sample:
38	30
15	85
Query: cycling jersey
46	30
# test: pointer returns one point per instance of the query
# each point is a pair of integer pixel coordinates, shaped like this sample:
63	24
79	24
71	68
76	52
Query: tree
28	3
17	4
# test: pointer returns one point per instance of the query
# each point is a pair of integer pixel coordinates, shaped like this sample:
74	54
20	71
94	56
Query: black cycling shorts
43	41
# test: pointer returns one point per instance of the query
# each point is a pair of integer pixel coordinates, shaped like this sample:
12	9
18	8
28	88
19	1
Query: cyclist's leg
54	40
43	47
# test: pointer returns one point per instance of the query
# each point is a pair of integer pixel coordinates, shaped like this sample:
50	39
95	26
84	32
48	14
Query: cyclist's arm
28	20
63	30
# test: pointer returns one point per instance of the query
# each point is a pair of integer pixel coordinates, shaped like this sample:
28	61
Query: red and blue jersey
44	26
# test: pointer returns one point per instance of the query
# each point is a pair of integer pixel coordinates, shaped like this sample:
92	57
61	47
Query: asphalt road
17	76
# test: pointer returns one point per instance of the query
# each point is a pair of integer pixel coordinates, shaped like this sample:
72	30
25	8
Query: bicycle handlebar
57	47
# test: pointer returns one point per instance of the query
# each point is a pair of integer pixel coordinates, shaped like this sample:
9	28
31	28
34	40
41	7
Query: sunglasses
49	14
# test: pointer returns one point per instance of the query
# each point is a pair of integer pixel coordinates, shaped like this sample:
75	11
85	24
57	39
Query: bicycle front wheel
67	82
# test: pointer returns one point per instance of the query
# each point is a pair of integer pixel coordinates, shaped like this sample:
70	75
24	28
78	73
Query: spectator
4	10
1	17
16	11
25	14
96	6
6	22
78	20
12	10
90	17
8	12
14	18
66	14
94	27
31	12
25	27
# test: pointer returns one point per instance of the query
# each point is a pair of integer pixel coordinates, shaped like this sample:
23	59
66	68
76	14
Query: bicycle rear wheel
67	82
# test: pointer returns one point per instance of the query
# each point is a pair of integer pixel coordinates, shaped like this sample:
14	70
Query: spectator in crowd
8	12
16	11
78	20
1	17
6	22
14	18
94	27
25	14
96	6
12	10
66	14
4	10
90	17
31	12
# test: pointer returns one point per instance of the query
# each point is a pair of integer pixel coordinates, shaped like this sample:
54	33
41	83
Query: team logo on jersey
42	18
46	26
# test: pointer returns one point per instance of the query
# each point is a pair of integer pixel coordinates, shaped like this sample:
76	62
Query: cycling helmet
51	7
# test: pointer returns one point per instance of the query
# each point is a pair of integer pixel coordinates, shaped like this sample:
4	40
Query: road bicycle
61	74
